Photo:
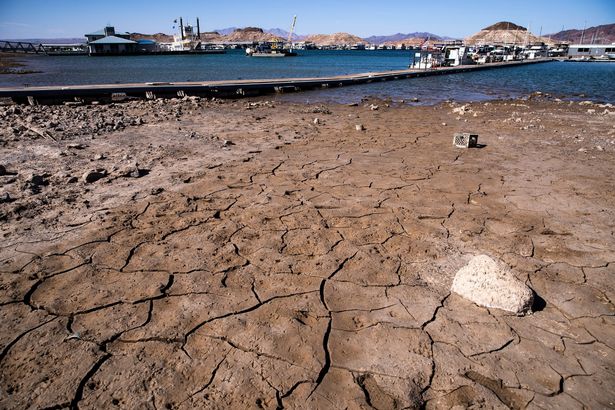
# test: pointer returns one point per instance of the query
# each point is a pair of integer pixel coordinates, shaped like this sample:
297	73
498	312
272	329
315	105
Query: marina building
601	51
108	42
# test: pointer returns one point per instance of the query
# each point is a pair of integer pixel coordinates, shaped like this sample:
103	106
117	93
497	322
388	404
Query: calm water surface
594	81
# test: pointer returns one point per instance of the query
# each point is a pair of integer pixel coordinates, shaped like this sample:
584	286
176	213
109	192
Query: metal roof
113	40
101	32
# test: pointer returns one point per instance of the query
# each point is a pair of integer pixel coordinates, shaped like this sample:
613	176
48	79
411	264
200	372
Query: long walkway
230	88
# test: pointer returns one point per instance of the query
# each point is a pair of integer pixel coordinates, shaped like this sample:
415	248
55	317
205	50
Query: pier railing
21	47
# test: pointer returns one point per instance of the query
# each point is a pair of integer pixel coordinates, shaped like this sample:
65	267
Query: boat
270	49
188	41
274	49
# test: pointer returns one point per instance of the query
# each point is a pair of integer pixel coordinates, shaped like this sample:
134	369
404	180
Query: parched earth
244	255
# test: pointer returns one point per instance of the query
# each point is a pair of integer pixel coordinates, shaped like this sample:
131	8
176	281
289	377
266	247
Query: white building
592	51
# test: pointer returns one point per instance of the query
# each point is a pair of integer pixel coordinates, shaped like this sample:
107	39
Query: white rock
359	127
491	284
316	121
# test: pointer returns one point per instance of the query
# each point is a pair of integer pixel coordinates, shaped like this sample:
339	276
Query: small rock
99	157
94	175
38	180
76	146
5	198
72	180
316	121
373	107
414	99
491	284
444	124
227	143
359	127
132	171
591	111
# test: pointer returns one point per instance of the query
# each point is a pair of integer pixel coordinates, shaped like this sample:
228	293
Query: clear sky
73	18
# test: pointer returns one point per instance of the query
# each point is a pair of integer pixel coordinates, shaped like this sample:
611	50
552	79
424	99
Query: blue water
594	81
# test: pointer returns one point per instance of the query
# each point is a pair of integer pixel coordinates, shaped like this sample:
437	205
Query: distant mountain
399	37
604	34
226	31
71	40
284	34
505	32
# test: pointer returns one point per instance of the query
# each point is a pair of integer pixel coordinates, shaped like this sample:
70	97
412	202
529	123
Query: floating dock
226	89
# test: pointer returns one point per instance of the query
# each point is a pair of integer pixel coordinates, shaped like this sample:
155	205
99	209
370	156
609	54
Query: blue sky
71	18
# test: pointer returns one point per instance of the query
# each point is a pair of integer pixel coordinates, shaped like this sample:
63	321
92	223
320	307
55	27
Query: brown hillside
498	35
335	39
251	34
604	34
505	25
158	37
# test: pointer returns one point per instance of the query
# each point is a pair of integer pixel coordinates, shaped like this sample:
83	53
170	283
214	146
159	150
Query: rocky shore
196	253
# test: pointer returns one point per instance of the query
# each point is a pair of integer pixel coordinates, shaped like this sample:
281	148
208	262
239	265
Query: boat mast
290	35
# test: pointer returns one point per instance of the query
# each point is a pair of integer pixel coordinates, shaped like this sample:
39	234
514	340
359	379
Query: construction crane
290	35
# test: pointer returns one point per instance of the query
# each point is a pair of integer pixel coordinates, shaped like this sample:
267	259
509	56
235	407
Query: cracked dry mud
309	265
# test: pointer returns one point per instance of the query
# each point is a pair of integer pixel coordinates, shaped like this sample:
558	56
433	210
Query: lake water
595	81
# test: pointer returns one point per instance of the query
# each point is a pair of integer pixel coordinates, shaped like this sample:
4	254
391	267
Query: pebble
227	143
359	127
316	121
373	107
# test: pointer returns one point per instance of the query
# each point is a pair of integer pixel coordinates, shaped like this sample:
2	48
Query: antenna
583	33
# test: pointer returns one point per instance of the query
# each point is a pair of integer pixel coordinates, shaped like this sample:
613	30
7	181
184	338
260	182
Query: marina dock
228	88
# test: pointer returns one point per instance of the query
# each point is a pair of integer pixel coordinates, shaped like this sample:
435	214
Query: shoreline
244	253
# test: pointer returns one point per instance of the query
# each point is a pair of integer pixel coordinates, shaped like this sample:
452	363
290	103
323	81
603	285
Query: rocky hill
505	32
251	34
335	39
604	34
